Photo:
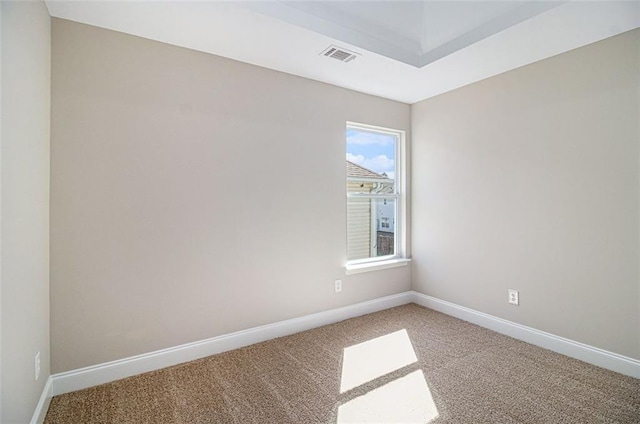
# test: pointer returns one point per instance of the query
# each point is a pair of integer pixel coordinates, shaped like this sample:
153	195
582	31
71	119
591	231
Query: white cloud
379	164
355	158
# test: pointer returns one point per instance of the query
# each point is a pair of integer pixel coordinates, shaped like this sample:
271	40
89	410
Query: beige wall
24	214
193	196
529	180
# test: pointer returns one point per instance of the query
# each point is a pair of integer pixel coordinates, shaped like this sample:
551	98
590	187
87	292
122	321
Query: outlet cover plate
514	297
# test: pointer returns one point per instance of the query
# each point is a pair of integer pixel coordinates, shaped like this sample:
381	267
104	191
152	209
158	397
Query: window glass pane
371	171
370	227
372	153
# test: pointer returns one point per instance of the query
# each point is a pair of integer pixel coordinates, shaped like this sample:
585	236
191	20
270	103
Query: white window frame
399	258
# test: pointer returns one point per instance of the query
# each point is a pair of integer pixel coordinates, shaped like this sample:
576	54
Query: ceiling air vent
343	55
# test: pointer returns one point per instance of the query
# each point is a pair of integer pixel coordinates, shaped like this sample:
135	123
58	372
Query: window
374	188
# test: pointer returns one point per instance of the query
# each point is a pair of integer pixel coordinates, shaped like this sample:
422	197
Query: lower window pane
370	228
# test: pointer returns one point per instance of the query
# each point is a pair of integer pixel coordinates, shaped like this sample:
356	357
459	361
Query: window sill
375	266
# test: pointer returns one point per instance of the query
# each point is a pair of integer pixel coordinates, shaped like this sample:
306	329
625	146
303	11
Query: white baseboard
43	404
592	355
127	367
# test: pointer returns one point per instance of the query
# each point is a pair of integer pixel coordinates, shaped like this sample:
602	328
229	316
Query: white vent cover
338	53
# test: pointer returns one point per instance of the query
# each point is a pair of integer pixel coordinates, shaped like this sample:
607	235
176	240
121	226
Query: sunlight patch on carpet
405	400
374	358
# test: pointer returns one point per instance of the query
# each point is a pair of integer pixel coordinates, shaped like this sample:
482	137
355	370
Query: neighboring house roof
357	171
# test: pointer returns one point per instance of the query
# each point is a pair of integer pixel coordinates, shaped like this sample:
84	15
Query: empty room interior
320	211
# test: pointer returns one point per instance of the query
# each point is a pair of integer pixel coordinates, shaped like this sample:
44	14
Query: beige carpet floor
367	369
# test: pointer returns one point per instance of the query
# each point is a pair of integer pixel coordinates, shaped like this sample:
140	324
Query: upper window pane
373	151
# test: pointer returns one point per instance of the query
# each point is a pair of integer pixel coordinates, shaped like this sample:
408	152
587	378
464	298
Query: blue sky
372	150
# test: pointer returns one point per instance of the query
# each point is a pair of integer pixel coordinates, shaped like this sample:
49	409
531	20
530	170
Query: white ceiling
414	32
408	50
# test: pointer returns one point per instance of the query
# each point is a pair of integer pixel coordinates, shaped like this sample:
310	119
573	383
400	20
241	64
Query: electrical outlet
37	365
513	297
338	285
